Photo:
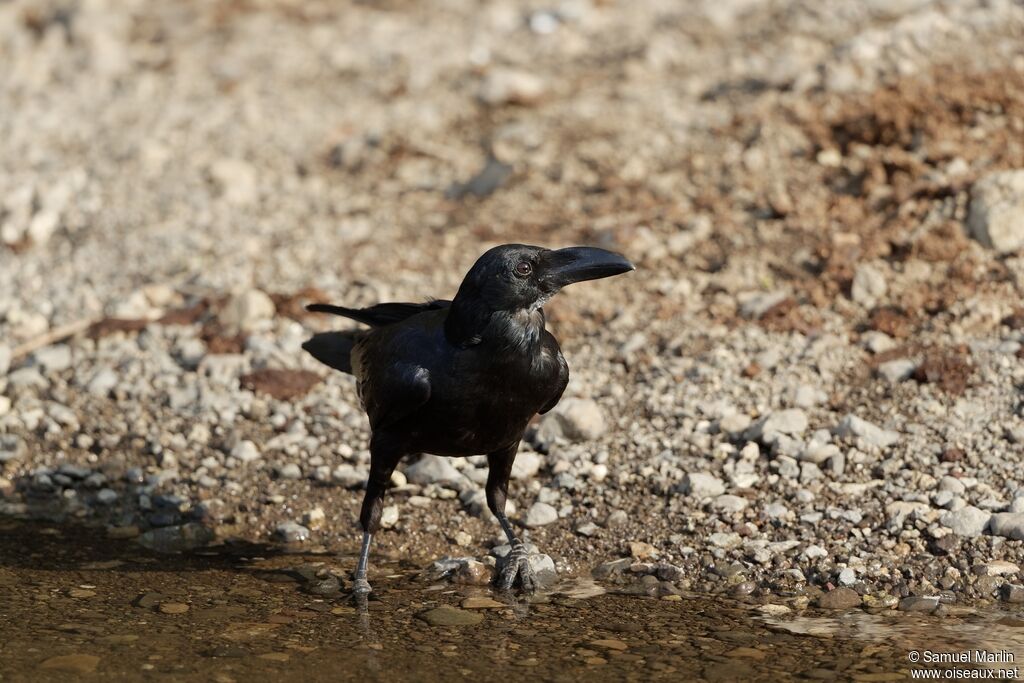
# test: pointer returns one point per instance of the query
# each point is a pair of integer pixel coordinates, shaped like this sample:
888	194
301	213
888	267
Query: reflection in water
76	603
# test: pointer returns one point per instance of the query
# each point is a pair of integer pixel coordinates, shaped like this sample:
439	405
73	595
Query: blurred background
821	347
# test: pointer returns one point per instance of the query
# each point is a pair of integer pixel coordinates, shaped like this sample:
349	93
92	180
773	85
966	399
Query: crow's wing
560	385
394	394
381	314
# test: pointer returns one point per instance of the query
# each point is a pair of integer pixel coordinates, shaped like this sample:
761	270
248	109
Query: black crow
461	377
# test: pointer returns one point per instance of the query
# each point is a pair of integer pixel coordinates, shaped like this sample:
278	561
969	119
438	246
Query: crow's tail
333	348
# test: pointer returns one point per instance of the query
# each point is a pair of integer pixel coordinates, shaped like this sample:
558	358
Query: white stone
508	86
702	485
581	419
1009	525
968	521
432	469
389	516
869	285
247	310
996	216
851	425
245	451
540	514
898	370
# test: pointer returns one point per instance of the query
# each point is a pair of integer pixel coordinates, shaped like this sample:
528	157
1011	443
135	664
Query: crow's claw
517	565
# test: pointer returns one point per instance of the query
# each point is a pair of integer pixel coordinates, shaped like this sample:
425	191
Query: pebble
898	370
792	422
102	382
245	451
581	419
314	519
247	310
106	496
918	604
172	608
482	603
729	504
509	86
587	529
869	285
996	568
450	616
702	485
11	448
291	532
53	359
540	514
290	471
839	598
851	425
5	359
1008	525
968	521
996	216
389	516
176	539
74	663
432	469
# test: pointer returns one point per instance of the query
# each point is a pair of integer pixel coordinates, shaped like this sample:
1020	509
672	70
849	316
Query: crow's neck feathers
472	322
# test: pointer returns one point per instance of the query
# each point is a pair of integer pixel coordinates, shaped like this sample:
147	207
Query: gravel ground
812	380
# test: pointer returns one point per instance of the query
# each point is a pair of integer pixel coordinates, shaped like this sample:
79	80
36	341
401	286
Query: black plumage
462	377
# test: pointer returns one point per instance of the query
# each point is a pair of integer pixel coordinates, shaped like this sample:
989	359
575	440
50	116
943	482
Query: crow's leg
383	459
517	564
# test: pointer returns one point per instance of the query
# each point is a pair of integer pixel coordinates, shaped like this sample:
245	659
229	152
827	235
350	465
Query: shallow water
79	606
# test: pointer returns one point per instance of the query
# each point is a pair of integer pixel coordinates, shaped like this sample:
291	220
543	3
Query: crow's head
517	277
502	293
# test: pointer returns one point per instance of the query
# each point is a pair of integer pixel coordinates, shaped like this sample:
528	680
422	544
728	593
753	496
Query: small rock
996	216
918	604
291	532
102	382
482	603
245	451
507	86
290	471
5	359
247	310
1009	525
450	616
581	419
314	519
540	514
56	358
616	518
898	370
432	469
11	448
839	598
236	180
847	577
792	422
526	465
1012	594
995	568
869	285
587	529
106	496
642	551
76	663
968	521
729	504
389	516
172	608
851	425
176	539
702	485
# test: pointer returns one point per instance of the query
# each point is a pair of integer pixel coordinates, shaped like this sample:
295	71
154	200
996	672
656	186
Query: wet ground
77	605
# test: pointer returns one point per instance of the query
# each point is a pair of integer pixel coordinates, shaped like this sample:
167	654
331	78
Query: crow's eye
523	269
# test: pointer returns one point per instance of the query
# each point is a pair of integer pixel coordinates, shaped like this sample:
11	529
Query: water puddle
79	606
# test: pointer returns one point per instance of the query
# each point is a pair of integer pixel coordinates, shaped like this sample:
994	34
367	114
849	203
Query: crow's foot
517	565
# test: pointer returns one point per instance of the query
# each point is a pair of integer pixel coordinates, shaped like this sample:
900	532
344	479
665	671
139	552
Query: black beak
576	264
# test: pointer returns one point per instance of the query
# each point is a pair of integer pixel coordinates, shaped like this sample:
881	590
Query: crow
461	377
